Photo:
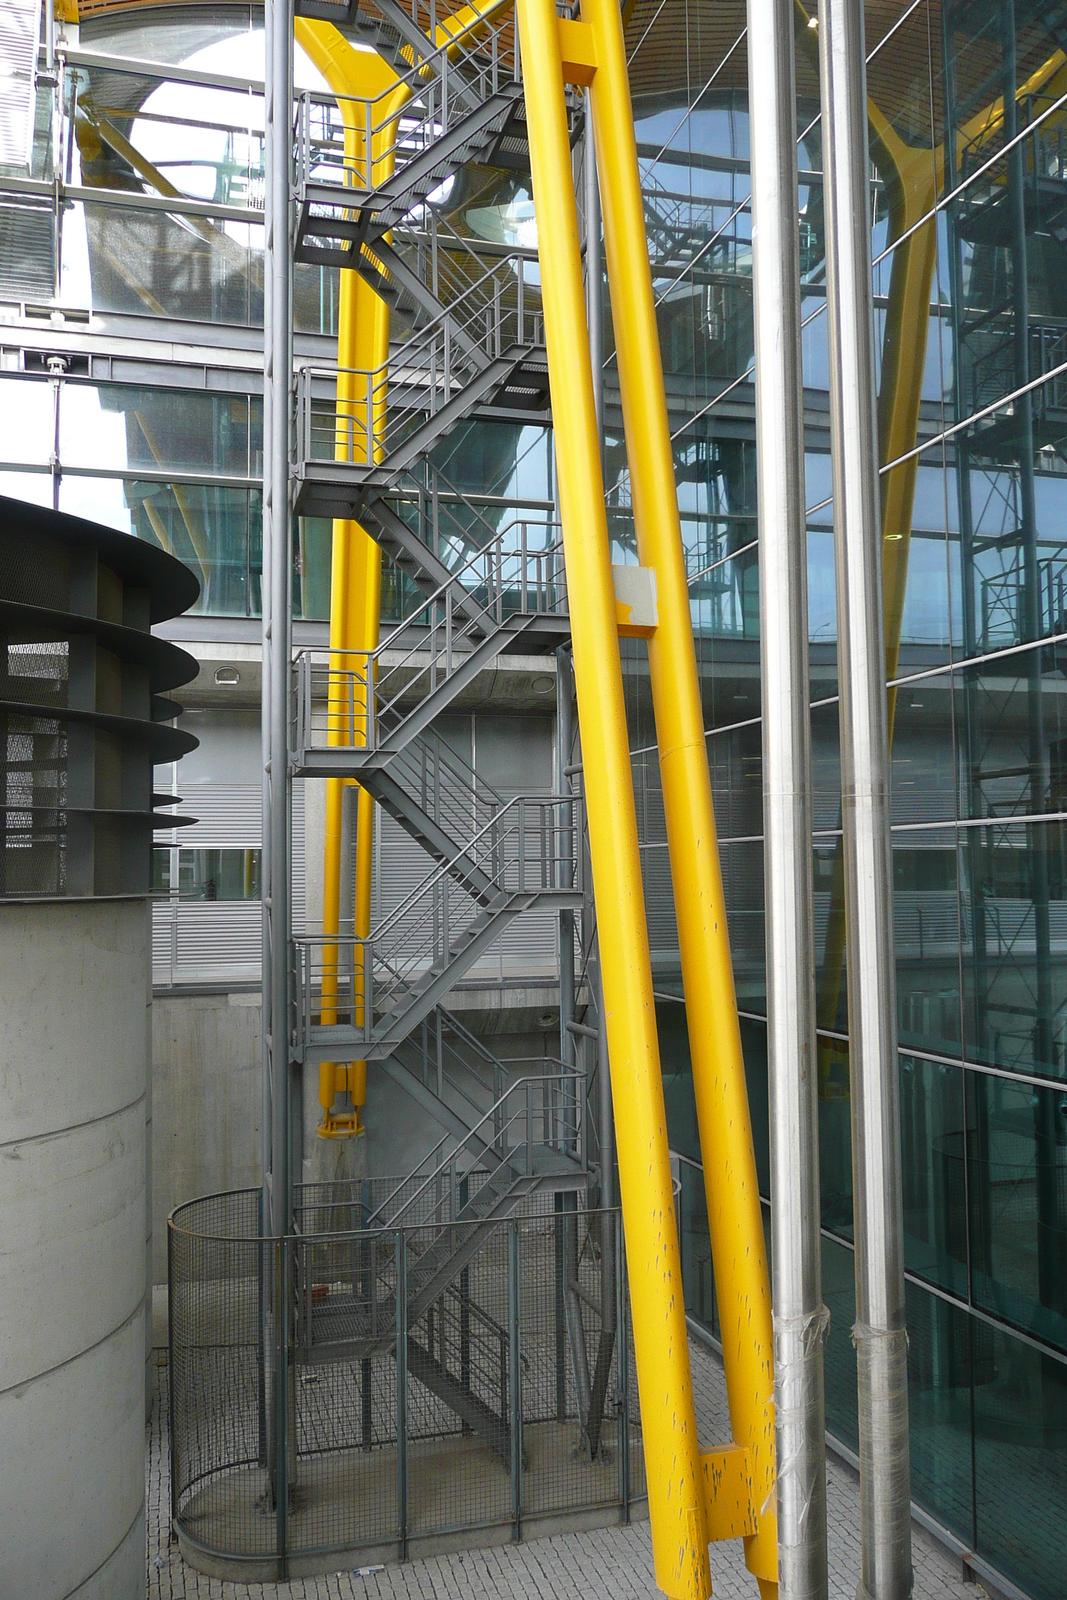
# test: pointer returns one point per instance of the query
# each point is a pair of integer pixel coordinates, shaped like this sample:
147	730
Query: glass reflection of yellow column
913	177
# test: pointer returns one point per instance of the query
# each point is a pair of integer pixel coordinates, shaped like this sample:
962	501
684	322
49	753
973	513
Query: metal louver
20	27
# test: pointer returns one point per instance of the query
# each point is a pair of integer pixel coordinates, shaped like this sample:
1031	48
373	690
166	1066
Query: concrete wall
206	1102
73	1075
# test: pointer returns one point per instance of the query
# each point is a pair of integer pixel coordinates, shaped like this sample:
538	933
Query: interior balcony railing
984	212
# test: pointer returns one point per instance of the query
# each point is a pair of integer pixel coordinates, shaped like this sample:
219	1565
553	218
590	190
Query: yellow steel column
355	587
679	1527
734	1215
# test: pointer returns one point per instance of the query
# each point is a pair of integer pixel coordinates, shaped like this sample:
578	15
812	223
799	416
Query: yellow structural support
672	1458
355	580
358	76
735	1223
727	1493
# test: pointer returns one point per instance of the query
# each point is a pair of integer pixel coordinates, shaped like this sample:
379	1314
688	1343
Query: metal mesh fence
298	1431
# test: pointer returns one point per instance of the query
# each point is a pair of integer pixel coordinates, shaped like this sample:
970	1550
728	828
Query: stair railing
499	312
447	78
369	693
525	848
446	86
451	1073
539	1111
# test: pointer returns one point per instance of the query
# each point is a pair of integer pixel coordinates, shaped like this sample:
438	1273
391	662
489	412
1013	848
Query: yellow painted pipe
355	579
356	76
734	1216
672	1457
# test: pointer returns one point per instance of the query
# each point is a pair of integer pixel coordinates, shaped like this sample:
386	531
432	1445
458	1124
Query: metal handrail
490	314
416	934
436	81
357	701
501	1125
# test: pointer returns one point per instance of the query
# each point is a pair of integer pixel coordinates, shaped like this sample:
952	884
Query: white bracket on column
635	601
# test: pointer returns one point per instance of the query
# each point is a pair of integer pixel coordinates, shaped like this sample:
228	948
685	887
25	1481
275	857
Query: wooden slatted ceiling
675	57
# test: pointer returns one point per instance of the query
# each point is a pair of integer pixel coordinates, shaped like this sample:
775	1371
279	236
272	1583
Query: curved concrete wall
73	1075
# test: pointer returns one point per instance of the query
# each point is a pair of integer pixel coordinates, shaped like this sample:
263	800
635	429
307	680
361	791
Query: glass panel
1020	1452
742	876
28	410
923	766
218	874
160	870
1017	1189
927	937
943	1343
935	1199
217	533
839	1297
698	1278
1012	737
125	428
835	1137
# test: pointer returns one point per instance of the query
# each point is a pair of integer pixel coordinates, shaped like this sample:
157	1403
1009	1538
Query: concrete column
73	1077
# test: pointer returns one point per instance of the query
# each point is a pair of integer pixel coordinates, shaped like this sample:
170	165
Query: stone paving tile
615	1562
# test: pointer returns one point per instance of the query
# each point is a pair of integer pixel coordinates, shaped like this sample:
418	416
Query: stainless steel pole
800	1318
880	1335
277	370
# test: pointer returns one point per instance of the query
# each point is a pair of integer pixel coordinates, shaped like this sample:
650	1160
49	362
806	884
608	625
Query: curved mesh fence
296	1431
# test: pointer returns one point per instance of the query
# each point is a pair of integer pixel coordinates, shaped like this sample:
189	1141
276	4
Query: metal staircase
464	105
358	1297
468	342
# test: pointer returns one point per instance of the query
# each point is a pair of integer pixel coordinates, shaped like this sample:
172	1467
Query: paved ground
615	1562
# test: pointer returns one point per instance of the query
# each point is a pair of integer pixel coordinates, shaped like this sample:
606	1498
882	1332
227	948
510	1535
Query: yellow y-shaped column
672	1460
734	1217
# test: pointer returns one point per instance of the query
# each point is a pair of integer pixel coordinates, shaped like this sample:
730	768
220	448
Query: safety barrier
297	1435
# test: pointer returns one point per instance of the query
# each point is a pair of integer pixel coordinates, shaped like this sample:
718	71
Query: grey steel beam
277	367
880	1335
800	1318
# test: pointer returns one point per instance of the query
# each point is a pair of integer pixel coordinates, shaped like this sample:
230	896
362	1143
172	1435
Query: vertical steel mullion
800	1318
880	1333
560	1310
515	1365
281	1405
401	1395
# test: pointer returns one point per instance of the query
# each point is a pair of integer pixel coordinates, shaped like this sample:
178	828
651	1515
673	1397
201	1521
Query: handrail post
522	846
515	1366
368	989
401	1395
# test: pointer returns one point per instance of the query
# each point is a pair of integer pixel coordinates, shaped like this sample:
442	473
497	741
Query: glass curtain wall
180	466
969	199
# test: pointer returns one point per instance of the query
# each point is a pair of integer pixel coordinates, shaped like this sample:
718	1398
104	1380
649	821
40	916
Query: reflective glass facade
974	510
